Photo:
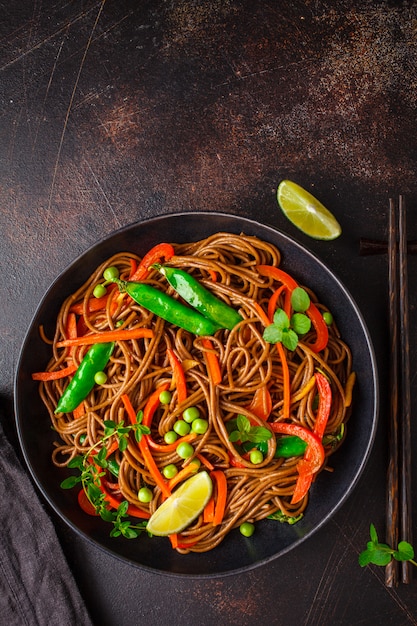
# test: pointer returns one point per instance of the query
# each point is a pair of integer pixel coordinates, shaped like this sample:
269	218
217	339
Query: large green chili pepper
82	382
193	292
171	310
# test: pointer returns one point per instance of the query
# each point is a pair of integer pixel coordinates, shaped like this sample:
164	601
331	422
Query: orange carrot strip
261	403
178	375
184	473
174	540
263	316
79	411
148	459
152	404
221	481
272	304
93	304
208	513
286	381
71	326
213	275
56	374
212	362
107	335
205	461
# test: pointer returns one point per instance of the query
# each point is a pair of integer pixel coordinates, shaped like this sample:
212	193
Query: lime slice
306	212
182	507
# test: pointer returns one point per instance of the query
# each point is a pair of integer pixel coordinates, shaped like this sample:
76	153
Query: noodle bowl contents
199	358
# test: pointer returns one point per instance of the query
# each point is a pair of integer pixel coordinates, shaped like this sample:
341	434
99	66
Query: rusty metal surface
112	111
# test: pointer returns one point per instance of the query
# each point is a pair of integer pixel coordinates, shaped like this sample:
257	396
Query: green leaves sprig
246	432
89	475
287	330
381	553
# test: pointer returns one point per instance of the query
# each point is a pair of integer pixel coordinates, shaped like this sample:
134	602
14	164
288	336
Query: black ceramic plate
271	539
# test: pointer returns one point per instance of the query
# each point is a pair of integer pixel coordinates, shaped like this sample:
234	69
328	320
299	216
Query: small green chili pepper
82	382
287	446
193	292
163	305
290	445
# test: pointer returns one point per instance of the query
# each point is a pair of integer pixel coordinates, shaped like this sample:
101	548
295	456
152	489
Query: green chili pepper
287	446
168	308
82	382
193	292
290	445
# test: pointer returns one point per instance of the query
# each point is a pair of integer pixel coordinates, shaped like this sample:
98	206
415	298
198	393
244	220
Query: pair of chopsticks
398	502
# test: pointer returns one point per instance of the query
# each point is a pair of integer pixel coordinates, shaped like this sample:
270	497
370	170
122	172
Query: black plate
271	539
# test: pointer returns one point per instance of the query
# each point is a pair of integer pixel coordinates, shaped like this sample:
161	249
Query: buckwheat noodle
138	367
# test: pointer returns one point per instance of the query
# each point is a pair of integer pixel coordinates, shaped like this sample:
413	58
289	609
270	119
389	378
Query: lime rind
182	507
306	212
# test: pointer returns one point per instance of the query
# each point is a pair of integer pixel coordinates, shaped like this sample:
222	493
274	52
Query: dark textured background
115	111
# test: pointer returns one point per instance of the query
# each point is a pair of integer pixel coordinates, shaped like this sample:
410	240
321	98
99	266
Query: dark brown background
115	111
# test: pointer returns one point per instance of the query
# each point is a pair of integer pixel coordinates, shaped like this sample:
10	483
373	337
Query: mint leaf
405	551
272	334
290	339
300	300
259	434
281	319
373	533
300	323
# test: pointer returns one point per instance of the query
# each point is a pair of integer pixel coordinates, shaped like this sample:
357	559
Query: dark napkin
36	585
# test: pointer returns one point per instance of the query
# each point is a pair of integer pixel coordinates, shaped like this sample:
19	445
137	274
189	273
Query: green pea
199	426
256	457
165	397
169	471
247	529
190	414
328	318
99	291
181	428
110	273
145	494
185	450
100	378
170	437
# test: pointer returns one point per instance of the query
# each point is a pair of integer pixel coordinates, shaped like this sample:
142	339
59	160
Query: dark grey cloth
36	585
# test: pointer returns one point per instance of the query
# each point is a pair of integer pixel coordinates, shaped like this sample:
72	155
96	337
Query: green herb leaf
272	334
70	482
405	551
281	319
300	300
300	323
290	339
259	434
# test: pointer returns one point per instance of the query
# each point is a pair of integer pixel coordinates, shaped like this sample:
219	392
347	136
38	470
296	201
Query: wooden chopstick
405	480
398	505
392	503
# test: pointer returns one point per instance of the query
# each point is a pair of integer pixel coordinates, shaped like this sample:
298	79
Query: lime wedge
182	507
306	212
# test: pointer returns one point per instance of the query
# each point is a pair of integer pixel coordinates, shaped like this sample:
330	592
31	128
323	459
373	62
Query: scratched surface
120	110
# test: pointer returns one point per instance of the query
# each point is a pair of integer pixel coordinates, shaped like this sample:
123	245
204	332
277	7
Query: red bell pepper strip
314	443
162	251
272	304
178	375
313	313
306	473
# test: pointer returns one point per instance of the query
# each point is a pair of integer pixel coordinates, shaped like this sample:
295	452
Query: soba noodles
226	264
